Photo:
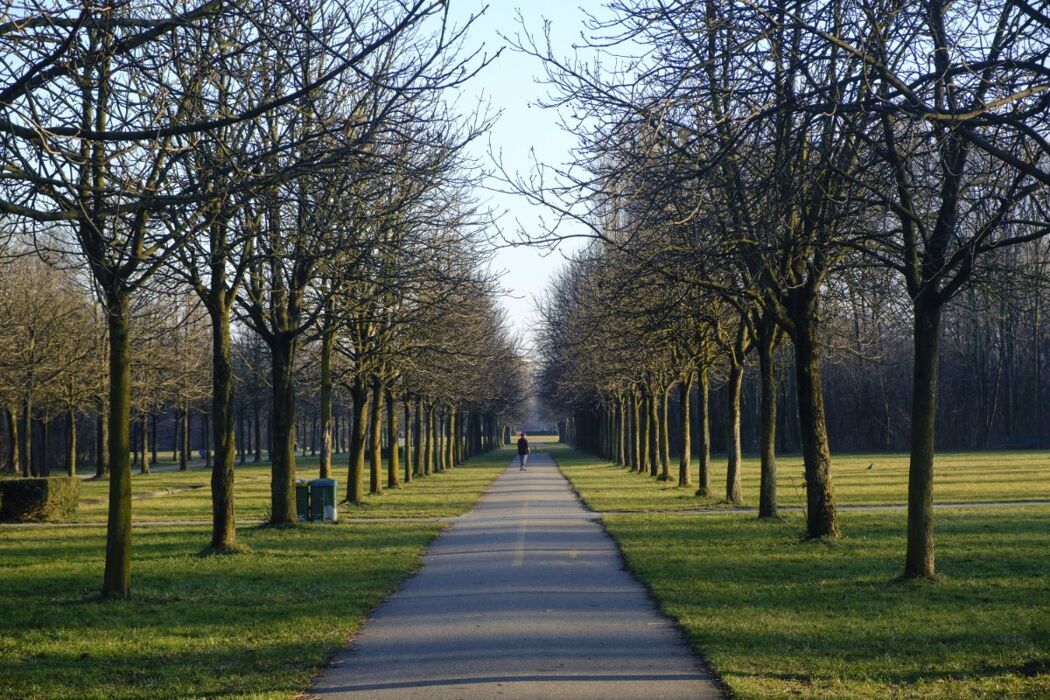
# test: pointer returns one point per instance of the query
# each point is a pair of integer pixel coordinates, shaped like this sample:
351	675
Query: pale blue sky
510	85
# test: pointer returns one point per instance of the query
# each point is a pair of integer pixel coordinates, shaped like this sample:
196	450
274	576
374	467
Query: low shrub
43	498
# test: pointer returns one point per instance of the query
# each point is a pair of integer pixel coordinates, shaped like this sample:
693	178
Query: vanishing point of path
525	596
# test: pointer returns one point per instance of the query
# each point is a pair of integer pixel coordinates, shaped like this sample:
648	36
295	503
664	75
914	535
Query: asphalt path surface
525	596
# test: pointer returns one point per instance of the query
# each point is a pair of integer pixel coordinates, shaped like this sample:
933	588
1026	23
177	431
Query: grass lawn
175	495
959	477
778	617
249	625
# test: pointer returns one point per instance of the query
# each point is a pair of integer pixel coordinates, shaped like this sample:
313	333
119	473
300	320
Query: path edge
348	644
683	635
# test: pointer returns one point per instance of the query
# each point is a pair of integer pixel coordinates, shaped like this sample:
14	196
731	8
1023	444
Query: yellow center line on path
519	548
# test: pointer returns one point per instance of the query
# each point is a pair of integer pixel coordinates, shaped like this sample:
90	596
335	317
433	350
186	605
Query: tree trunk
767	493
176	423
450	428
327	337
144	443
457	448
417	438
135	434
224	526
654	435
102	438
428	452
116	580
313	437
685	390
355	482
642	416
435	439
733	450
375	428
27	435
206	439
393	460
11	418
408	439
703	412
71	441
919	562
337	433
44	464
242	437
153	438
184	452
820	498
635	433
282	436
665	438
258	433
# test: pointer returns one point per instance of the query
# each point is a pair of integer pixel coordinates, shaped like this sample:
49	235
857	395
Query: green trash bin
302	499
322	500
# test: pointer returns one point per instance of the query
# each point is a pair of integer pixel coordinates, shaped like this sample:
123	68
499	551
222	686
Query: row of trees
53	370
52	365
749	173
296	166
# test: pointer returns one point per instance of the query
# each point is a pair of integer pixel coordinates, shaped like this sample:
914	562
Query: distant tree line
824	198
270	193
993	375
52	373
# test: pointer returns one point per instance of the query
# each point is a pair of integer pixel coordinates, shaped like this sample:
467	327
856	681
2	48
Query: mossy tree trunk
418	439
224	524
654	433
767	493
408	439
621	430
355	482
393	478
327	338
636	432
428	449
435	439
642	414
685	390
116	579
450	439
733	449
375	431
665	437
816	453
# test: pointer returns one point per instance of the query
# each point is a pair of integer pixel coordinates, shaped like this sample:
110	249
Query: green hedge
49	498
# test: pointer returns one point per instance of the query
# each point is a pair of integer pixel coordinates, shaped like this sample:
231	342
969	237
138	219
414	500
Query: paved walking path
523	597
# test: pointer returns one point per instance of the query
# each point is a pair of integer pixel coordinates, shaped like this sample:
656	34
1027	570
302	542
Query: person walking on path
523	450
